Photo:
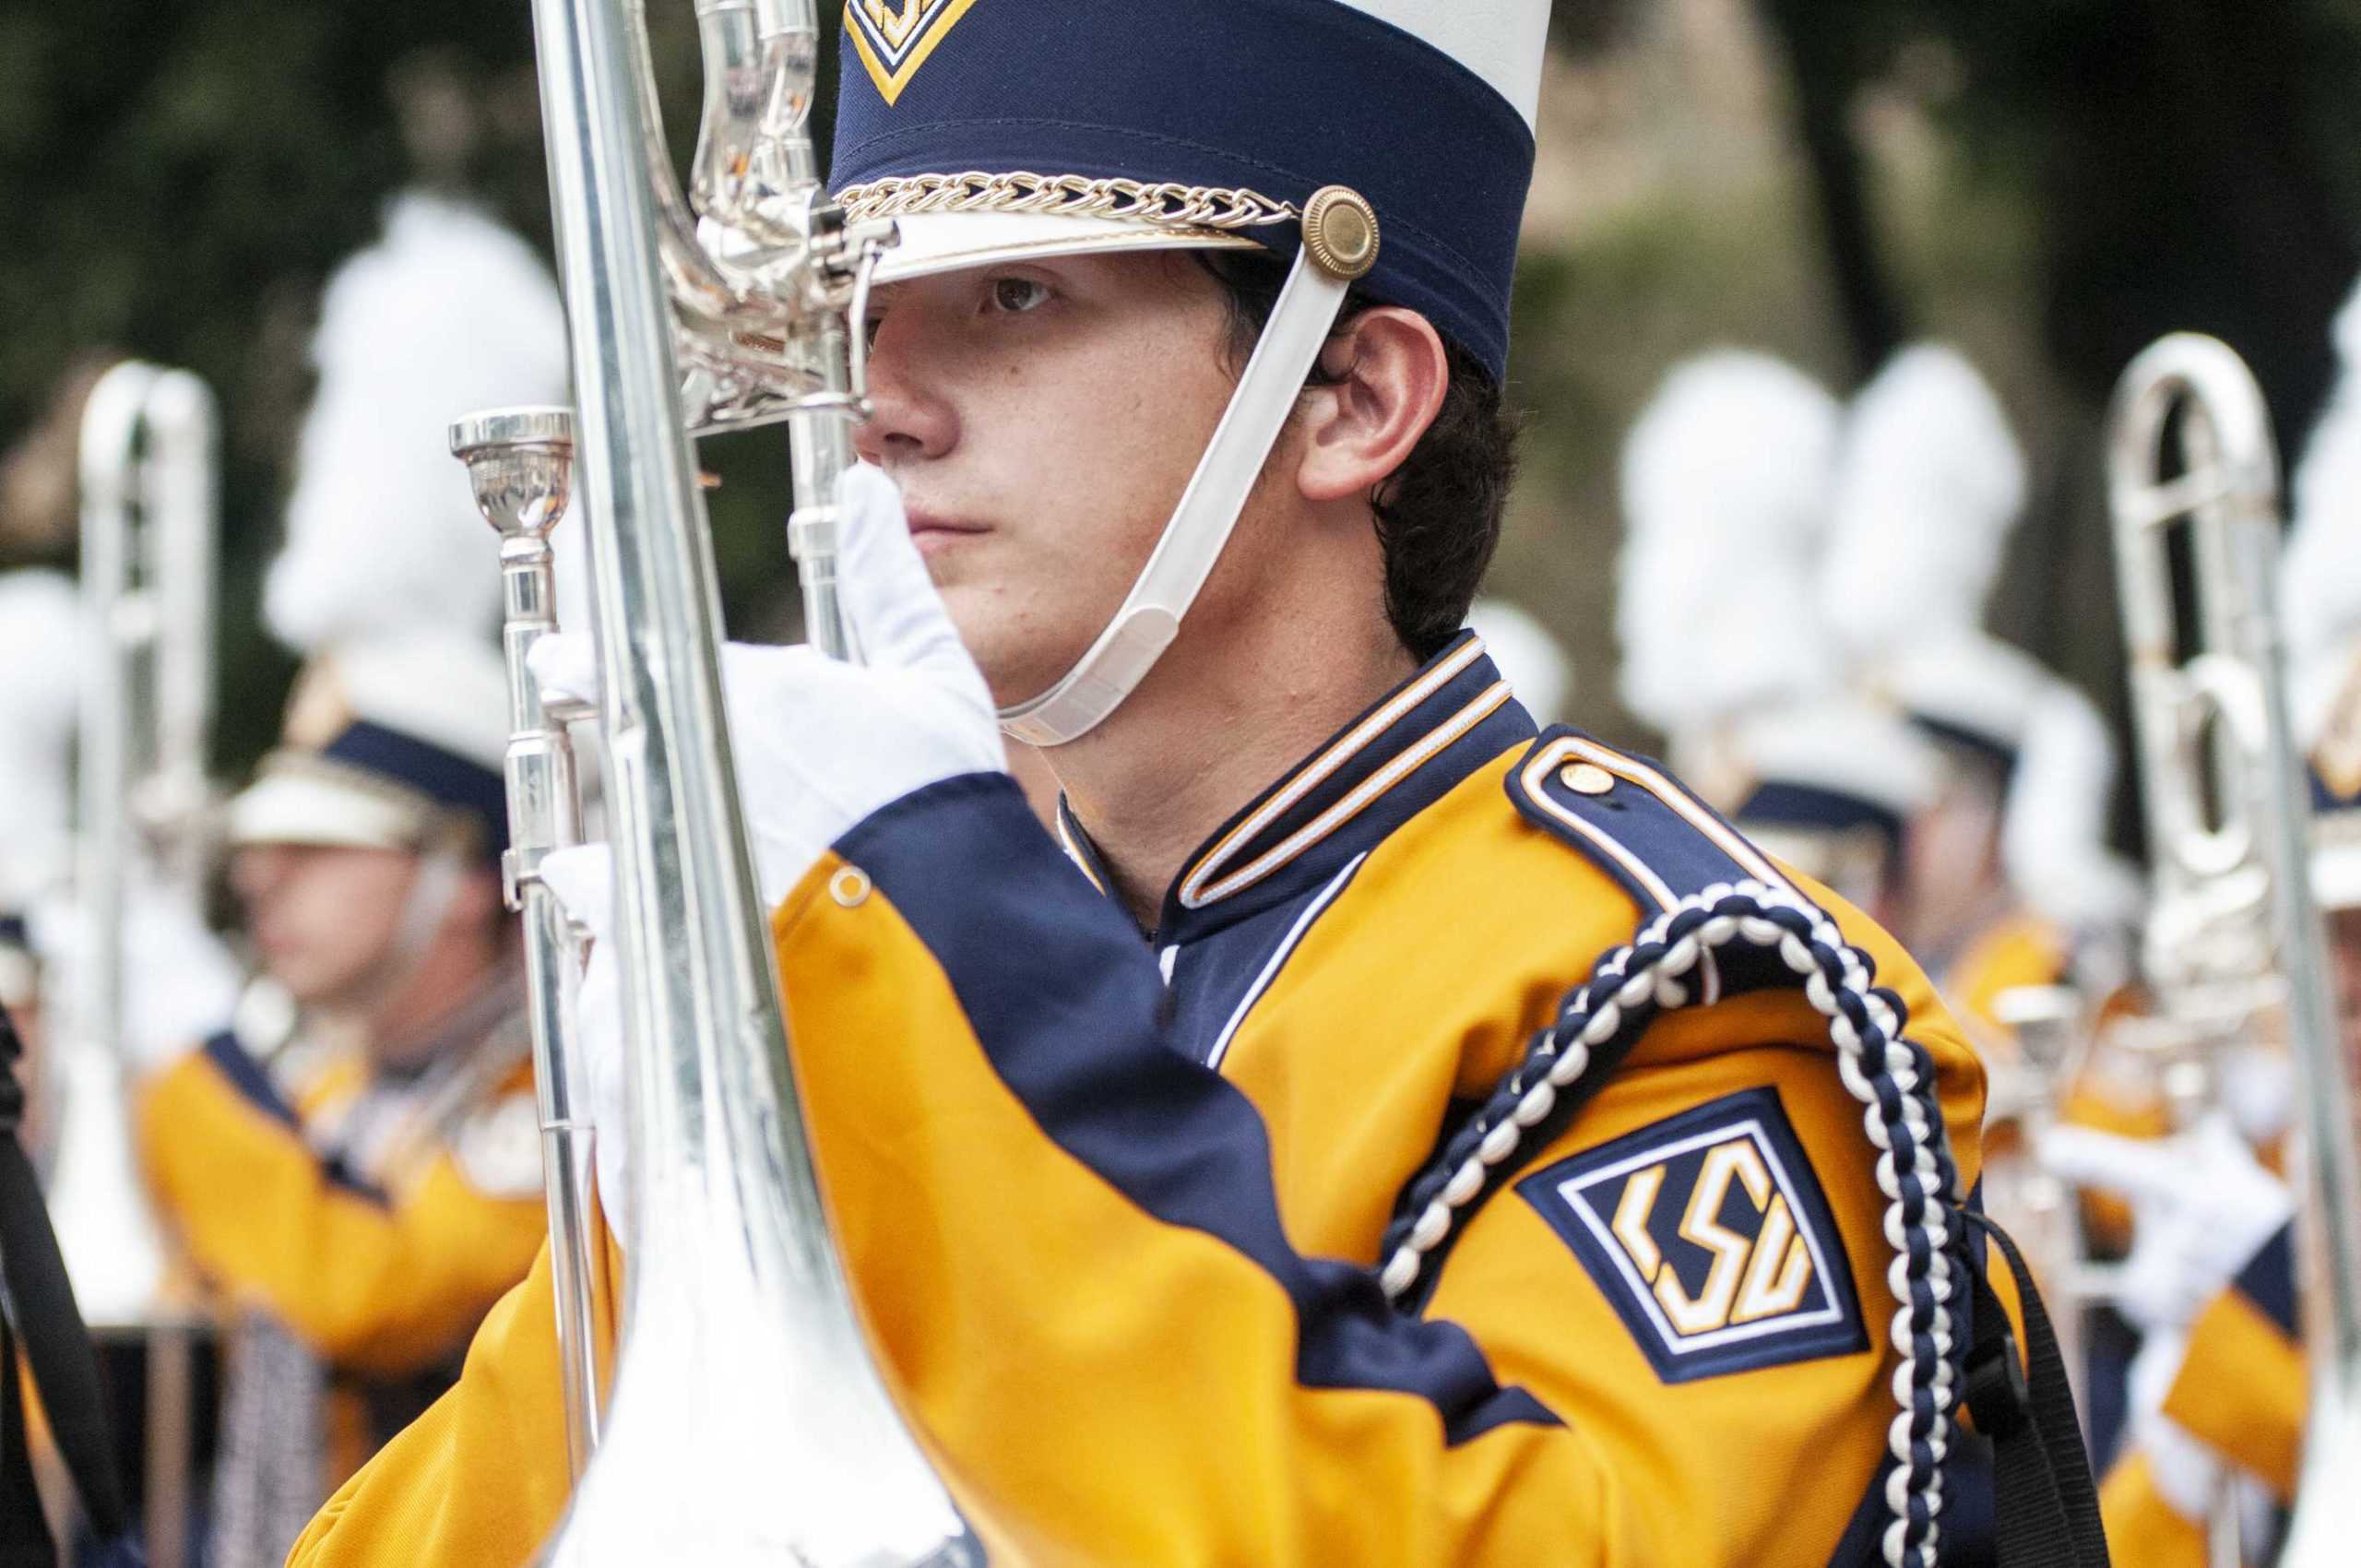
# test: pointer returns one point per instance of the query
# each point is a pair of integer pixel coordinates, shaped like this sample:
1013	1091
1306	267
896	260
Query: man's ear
1387	372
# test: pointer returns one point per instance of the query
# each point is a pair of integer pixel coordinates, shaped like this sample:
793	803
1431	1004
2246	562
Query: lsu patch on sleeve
1709	1233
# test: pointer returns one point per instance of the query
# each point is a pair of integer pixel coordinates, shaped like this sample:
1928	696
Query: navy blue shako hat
1383	143
397	743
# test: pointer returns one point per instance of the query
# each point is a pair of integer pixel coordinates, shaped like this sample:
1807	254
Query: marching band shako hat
396	744
1931	483
1387	143
1828	787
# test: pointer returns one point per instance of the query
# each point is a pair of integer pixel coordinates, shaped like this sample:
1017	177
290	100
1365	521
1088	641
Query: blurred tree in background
176	181
2051	184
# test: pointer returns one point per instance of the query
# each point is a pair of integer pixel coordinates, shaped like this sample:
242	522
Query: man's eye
1018	295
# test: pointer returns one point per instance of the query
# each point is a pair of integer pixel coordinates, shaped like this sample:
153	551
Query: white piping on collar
1199	888
1074	851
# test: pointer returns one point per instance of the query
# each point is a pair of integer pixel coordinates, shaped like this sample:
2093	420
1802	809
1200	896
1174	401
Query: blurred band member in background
359	1177
356	1188
2006	874
1726	488
2218	1392
40	618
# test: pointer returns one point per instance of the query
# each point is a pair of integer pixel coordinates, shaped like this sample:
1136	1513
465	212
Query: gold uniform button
1587	779
850	887
1340	231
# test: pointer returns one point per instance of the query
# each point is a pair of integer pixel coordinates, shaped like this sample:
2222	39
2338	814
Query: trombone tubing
518	460
2229	491
739	1314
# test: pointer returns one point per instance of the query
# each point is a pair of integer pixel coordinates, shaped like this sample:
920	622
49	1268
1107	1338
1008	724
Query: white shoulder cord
1340	244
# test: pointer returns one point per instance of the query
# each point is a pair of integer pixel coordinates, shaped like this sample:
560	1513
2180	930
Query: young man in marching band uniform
1249	1188
357	1186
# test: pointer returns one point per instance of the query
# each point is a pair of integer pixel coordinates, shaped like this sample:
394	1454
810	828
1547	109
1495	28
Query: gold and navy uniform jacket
1114	1210
2241	1392
376	1214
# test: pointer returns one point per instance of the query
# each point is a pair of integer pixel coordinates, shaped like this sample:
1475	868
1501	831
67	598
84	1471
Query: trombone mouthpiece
521	464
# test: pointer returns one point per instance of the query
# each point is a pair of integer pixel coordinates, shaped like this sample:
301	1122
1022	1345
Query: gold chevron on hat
895	37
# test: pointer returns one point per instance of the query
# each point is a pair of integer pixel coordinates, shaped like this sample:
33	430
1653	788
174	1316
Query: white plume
2346	331
2320	572
1726	489
41	619
1929	482
2053	825
450	313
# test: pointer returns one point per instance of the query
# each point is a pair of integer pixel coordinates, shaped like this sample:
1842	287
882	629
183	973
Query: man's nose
910	419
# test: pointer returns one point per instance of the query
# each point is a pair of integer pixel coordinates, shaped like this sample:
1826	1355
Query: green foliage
176	181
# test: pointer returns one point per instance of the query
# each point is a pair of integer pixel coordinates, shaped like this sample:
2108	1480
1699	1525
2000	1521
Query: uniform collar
1400	755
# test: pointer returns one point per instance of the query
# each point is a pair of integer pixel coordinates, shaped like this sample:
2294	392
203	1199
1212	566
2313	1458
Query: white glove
821	745
2189	1474
583	878
2201	1207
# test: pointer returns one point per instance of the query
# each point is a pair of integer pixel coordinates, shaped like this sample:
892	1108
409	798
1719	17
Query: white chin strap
1201	525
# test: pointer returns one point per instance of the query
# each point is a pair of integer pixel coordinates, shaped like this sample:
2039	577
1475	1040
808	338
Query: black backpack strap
24	1531
2048	1508
42	1313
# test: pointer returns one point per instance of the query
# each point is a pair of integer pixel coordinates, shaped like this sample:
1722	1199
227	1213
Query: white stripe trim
1197	889
1073	851
1279	956
1546	762
1730	842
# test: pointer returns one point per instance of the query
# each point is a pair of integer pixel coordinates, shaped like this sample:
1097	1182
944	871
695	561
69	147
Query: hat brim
936	242
294	808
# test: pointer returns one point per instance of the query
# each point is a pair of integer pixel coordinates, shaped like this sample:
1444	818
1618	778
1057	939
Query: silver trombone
149	522
742	1372
521	462
2234	940
2050	1028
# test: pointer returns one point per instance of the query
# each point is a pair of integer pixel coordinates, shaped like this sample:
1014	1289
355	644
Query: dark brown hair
1439	514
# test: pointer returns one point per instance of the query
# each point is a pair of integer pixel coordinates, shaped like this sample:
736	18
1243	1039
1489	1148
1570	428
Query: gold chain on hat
1070	195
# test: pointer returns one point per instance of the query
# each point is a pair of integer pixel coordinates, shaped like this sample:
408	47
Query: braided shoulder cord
1892	1079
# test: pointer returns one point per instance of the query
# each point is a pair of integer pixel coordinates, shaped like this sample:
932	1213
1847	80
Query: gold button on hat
1340	231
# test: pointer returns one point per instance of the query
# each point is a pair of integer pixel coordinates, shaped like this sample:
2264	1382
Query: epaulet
1643	828
1716	916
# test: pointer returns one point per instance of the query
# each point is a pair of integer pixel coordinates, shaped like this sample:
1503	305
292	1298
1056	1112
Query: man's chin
1021	676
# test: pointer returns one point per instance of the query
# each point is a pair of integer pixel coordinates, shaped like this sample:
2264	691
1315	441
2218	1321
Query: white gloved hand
2189	1474
821	747
2201	1207
583	878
